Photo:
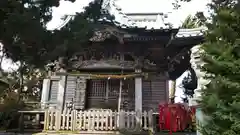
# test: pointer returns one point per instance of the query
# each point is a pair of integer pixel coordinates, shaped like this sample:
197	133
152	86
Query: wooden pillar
138	94
138	99
172	90
21	122
38	120
120	95
61	91
45	93
107	91
80	93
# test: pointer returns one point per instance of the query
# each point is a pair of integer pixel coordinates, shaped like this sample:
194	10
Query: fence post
58	120
121	119
151	122
138	120
73	119
46	120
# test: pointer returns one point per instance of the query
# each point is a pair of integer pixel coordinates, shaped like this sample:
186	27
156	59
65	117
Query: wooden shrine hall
126	67
137	70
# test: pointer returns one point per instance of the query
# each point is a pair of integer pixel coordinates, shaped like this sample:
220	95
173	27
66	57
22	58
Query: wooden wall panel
53	94
154	92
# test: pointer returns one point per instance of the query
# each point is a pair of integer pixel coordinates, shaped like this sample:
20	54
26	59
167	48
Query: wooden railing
132	120
96	120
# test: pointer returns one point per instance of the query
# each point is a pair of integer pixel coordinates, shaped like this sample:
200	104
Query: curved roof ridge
191	32
193	29
123	18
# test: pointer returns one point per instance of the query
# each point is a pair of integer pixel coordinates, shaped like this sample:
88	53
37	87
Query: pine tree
221	97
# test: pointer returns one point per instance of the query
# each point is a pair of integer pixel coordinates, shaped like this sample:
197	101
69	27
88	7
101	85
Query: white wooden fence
96	120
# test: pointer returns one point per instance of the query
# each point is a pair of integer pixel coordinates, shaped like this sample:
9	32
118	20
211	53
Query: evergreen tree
25	37
221	97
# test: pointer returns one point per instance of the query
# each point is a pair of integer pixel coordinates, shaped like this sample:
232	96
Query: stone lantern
196	64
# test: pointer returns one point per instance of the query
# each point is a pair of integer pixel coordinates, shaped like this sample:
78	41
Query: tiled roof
121	19
124	20
154	21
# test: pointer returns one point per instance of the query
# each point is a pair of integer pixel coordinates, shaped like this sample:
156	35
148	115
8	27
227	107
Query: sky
134	6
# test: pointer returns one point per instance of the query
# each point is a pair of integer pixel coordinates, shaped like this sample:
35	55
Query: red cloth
173	117
193	110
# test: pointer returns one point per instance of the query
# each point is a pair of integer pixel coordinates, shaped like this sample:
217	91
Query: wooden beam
90	76
155	49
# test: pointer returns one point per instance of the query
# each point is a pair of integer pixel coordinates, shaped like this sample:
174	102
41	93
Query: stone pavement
2	133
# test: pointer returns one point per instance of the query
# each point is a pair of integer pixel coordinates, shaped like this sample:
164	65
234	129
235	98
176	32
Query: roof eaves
191	32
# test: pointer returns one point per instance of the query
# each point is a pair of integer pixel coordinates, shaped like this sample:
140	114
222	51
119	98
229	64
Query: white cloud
66	8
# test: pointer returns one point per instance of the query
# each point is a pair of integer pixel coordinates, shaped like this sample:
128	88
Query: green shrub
9	111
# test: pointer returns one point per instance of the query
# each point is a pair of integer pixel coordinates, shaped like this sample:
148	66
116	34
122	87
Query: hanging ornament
113	76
